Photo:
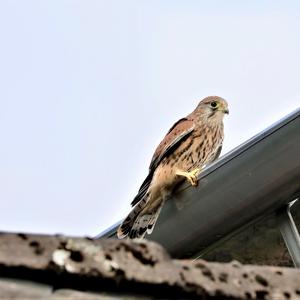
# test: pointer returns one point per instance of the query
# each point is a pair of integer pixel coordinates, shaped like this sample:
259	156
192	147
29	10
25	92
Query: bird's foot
191	176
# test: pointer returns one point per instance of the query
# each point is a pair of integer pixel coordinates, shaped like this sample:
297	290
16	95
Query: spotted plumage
190	144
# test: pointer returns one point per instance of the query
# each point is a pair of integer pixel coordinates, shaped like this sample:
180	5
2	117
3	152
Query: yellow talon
192	176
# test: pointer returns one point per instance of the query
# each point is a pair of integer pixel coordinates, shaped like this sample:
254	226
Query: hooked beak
224	110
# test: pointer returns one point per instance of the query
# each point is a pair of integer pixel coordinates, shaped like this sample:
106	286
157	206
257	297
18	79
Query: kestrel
190	144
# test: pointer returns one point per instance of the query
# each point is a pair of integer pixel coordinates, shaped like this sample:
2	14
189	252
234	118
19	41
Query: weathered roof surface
56	267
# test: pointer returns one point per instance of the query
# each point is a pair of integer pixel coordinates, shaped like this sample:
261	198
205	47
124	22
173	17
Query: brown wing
178	132
175	136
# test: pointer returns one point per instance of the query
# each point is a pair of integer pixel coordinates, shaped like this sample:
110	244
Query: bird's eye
214	104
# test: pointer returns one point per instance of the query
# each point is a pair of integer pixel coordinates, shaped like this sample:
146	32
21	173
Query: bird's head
212	108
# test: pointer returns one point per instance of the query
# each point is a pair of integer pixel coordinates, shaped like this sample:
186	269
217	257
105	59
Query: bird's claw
192	176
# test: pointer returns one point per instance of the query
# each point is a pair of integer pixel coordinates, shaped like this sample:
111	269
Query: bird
191	143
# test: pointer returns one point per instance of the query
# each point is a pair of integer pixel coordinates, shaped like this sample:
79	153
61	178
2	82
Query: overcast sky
89	88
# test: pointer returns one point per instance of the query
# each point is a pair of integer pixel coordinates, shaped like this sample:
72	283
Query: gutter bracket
290	233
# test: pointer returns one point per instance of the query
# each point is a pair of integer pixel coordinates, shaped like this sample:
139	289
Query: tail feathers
144	223
139	228
153	219
127	224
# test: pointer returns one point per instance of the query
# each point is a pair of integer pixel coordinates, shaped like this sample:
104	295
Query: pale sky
89	88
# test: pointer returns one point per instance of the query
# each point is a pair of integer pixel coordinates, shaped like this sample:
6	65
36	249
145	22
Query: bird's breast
200	148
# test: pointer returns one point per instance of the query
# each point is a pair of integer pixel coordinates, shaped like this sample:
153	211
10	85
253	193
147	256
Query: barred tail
145	223
140	221
127	224
153	219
